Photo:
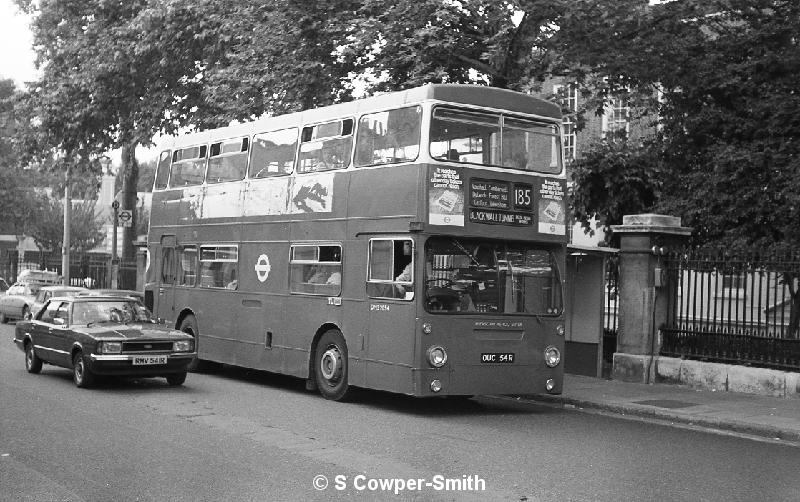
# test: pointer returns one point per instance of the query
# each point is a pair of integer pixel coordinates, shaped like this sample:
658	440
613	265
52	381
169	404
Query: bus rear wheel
330	366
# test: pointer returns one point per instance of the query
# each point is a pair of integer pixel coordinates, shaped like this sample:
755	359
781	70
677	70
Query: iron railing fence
733	308
93	270
611	310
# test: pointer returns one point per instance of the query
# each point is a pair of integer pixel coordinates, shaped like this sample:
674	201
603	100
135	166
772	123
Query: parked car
124	292
39	276
48	292
103	335
18	300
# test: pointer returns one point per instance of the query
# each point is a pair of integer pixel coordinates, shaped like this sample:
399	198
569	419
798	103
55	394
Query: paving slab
765	416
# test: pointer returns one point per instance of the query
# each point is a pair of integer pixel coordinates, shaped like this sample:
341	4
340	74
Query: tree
727	151
46	225
104	85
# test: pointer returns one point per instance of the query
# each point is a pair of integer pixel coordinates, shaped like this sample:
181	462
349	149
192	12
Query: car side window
63	312
49	312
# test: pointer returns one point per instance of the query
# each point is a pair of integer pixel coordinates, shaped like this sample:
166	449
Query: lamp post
114	259
105	163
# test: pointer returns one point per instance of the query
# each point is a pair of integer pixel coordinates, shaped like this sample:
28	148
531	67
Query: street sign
125	217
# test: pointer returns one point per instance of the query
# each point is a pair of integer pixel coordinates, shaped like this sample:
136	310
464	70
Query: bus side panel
394	192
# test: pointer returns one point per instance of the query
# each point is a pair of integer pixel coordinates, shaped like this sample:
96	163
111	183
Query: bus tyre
189	326
330	366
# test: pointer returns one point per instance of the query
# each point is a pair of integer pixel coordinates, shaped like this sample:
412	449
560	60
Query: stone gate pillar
643	291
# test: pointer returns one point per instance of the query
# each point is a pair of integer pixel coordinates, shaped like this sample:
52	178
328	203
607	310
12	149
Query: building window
316	269
568	98
616	122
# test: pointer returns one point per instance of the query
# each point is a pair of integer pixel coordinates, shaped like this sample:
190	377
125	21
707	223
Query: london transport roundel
262	268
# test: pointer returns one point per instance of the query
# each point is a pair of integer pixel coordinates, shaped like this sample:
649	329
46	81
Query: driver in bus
405	275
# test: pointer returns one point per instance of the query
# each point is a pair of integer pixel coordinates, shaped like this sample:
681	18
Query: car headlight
182	346
437	356
552	356
110	347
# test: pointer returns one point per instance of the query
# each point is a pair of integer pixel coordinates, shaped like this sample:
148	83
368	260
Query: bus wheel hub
331	364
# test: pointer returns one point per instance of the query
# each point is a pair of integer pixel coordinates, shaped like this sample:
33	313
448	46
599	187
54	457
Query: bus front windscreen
493	139
470	276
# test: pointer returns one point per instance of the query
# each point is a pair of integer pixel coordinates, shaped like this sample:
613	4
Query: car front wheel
32	362
81	374
176	378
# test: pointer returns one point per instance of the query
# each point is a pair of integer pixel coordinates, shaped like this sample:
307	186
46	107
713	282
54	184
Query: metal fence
86	269
739	309
611	310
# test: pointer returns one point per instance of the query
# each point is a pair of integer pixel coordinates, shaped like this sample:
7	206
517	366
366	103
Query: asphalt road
239	435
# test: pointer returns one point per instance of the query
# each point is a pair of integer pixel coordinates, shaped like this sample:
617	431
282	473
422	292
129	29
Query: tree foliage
46	225
725	71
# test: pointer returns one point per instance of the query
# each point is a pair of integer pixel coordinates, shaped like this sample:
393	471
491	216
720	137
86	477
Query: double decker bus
411	242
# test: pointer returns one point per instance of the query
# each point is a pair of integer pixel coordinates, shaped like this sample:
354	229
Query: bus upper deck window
228	160
532	146
465	136
388	137
273	153
326	146
162	170
188	166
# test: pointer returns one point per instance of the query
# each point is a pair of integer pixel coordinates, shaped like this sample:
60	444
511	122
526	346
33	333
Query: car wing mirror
59	321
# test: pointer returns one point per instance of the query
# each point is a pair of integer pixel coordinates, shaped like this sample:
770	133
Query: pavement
776	418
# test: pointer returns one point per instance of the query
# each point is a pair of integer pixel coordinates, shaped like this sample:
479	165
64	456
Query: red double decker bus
411	242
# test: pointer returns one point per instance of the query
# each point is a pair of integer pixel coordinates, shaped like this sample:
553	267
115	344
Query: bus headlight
436	385
437	356
427	328
560	330
552	356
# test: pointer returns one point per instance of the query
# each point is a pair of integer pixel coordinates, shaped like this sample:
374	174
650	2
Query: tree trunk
130	180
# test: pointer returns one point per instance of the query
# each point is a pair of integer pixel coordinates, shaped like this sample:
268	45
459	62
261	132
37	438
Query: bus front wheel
330	366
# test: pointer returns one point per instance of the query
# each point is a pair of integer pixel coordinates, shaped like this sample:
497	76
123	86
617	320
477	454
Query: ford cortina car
103	335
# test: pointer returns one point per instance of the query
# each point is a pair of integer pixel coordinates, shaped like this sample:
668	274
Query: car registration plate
497	357
145	360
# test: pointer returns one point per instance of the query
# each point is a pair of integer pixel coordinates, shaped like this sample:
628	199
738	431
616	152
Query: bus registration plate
145	360
497	357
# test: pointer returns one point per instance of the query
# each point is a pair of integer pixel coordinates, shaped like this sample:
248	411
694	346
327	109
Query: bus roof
475	95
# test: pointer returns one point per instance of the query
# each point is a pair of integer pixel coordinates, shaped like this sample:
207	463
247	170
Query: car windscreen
120	311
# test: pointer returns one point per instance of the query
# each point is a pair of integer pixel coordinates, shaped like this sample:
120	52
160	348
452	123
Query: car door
61	335
42	334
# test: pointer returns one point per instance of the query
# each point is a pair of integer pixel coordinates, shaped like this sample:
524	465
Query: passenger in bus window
318	276
335	278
